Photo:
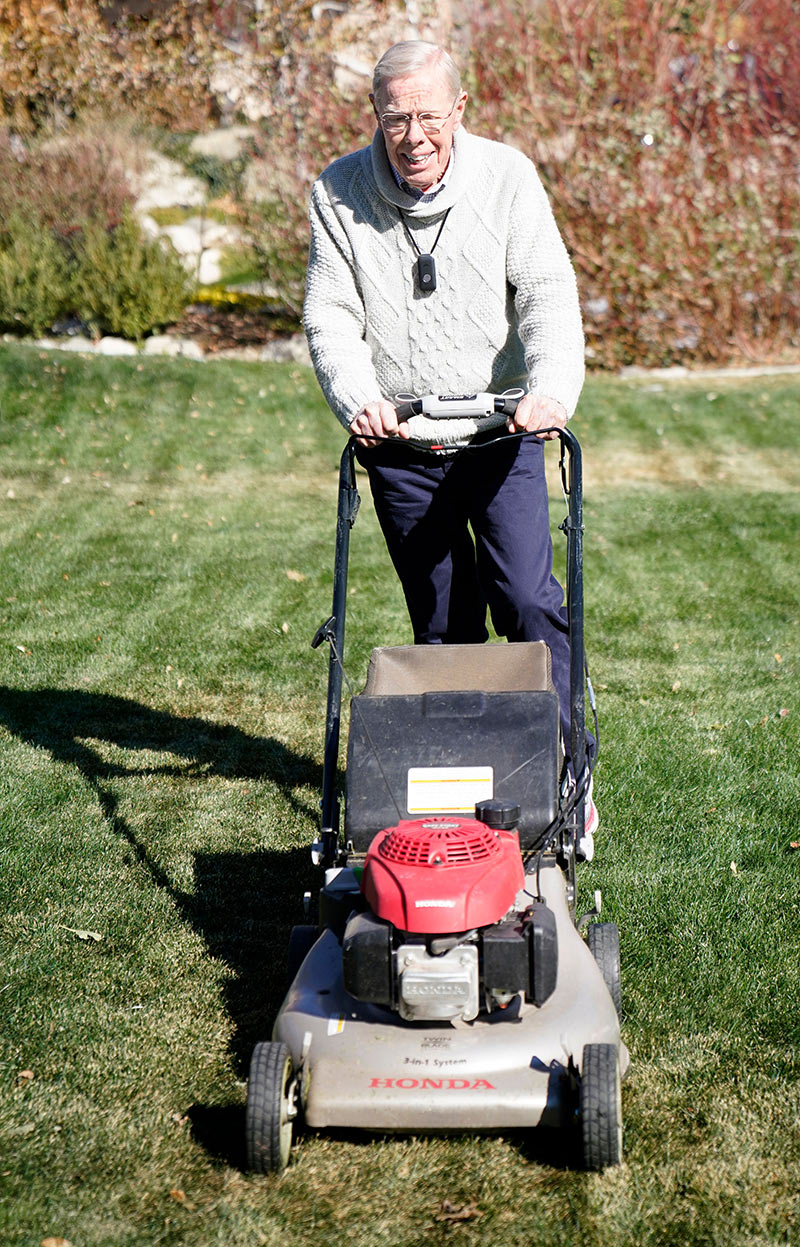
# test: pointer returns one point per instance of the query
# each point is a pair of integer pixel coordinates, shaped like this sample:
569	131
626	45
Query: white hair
409	57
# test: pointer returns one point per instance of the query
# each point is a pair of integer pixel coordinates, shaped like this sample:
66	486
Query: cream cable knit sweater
505	312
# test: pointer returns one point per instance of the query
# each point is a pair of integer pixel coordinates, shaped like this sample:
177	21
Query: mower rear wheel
603	941
600	1106
271	1108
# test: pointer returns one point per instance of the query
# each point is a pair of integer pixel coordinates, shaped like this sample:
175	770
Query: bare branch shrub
666	135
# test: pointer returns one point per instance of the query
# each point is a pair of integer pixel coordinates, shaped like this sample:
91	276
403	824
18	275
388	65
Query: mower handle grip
457	406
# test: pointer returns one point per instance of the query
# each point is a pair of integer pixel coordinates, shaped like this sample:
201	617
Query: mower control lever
325	632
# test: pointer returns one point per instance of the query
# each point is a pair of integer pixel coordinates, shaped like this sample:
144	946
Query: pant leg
424	519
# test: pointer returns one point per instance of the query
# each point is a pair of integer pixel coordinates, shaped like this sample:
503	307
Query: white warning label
448	789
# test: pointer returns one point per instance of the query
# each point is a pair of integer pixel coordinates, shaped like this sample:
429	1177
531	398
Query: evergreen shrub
126	283
34	275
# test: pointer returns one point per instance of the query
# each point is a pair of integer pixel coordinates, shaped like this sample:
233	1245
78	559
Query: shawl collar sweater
505	312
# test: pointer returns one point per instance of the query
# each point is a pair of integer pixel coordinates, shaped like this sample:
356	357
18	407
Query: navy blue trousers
469	533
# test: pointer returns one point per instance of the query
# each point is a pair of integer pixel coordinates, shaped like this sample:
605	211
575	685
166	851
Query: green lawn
167	539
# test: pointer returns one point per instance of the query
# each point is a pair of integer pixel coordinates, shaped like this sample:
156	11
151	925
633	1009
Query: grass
167	533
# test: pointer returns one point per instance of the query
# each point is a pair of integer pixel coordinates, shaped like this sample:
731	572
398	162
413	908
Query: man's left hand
535	412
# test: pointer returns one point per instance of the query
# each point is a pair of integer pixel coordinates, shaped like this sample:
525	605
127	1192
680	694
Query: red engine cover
434	876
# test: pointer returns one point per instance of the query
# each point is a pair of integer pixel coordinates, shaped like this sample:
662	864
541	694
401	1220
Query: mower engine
448	930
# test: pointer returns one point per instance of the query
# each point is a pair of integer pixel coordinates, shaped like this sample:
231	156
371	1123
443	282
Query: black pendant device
426	272
425	267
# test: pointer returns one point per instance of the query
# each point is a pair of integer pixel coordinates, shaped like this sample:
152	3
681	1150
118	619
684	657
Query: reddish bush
67	182
665	134
312	125
59	58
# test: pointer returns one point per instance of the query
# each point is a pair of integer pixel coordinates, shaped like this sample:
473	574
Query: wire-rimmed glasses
431	123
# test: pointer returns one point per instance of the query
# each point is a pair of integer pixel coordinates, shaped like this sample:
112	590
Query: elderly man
436	267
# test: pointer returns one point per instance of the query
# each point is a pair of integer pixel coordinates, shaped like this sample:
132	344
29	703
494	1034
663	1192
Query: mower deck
363	1067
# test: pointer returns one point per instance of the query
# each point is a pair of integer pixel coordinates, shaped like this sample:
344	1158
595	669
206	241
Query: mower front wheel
271	1108
600	1106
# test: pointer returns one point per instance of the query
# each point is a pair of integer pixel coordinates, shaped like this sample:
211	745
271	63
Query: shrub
666	137
34	275
59	58
126	283
80	177
315	124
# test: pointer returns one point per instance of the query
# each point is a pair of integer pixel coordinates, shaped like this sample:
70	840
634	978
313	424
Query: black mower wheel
301	940
271	1108
603	941
600	1107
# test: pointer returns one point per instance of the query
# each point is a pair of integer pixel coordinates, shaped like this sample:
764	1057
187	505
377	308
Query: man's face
420	158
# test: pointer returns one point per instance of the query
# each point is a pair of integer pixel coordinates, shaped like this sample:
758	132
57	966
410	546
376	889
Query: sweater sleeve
334	316
546	295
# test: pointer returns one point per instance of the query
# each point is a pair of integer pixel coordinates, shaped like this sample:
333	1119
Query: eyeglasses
431	123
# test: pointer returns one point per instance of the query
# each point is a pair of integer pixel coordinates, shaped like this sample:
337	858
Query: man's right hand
375	421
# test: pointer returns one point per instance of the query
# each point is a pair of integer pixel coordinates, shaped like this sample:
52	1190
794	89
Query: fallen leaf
794	844
676	686
782	713
56	1242
25	1075
457	1212
84	935
734	868
779	658
284	626
178	1195
293	575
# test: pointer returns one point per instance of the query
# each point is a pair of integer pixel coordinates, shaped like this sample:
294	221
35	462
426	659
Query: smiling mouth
417	162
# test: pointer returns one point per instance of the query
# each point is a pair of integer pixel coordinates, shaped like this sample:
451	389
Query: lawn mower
447	984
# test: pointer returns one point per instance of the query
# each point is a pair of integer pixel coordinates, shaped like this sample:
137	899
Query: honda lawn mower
448	984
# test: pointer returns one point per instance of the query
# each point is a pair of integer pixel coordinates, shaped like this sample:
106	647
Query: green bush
34	275
126	283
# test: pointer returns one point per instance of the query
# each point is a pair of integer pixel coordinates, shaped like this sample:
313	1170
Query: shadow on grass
220	1131
243	904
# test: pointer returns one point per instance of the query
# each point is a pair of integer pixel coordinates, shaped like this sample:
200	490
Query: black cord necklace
425	266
